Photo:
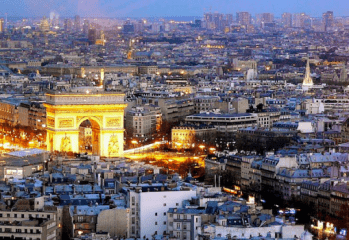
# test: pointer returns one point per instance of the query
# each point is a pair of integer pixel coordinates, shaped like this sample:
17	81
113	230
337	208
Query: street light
212	149
134	143
202	147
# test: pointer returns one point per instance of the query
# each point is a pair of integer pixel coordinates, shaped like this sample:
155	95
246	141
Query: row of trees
18	135
244	142
180	167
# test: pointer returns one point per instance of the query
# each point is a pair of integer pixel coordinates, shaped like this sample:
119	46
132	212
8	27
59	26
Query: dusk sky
158	8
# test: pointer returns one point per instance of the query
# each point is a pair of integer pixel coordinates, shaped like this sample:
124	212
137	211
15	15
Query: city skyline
156	8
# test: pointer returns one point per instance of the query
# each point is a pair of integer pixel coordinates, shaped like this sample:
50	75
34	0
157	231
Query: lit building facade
66	111
186	137
243	18
2	25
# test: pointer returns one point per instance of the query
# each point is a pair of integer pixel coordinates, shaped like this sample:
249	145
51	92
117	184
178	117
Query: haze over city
163	8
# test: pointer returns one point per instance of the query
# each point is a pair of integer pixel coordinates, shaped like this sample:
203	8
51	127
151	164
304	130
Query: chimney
50	177
43	188
215	185
75	209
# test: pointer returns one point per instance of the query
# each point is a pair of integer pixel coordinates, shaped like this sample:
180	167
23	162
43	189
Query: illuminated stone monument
67	110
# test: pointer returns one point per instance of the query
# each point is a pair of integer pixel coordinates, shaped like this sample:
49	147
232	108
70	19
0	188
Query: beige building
148	69
142	122
115	221
9	110
30	220
185	137
240	105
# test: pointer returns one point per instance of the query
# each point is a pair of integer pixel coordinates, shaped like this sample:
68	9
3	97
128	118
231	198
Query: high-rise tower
327	20
77	26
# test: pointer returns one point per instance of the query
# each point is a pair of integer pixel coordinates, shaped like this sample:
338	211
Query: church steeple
308	81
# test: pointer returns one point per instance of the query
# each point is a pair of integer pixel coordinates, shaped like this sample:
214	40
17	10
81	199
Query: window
164	204
178	226
156	223
15	215
177	204
156	214
165	223
185	217
22	216
164	213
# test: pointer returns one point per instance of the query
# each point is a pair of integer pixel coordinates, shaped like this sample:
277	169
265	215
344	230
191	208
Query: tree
164	132
260	107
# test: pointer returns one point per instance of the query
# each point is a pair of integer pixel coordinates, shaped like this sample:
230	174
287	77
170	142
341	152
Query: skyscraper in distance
267	17
68	25
327	20
92	35
243	18
77	26
286	20
229	18
298	20
86	26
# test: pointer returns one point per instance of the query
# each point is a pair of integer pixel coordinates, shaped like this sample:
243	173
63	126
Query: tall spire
308	81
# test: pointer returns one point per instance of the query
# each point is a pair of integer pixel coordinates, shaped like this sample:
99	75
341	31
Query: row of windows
18	230
8	215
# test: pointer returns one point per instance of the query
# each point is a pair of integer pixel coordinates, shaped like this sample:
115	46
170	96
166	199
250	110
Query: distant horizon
149	17
166	8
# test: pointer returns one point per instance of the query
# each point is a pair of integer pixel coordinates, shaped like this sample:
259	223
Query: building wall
154	207
8	112
23	116
115	221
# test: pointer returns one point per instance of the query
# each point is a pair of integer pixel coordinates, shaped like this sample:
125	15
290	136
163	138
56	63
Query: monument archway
89	136
66	111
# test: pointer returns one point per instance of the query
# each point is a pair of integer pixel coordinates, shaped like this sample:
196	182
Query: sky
166	8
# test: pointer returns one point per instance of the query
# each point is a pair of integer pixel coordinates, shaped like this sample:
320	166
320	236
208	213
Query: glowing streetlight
134	144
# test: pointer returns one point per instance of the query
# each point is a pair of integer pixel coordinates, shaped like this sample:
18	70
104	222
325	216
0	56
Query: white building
149	204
